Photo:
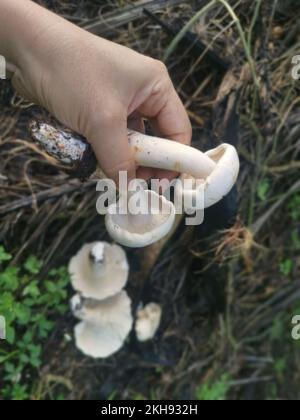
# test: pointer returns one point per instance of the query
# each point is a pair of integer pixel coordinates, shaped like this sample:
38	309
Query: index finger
172	122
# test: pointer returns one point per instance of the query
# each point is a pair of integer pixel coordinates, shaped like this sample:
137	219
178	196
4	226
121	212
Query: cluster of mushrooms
99	273
216	170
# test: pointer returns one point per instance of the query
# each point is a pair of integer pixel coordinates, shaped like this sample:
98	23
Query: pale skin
91	85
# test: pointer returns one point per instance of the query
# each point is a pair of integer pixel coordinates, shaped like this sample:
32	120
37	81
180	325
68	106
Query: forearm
24	26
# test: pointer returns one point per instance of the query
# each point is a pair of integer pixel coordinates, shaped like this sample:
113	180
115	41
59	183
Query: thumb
109	140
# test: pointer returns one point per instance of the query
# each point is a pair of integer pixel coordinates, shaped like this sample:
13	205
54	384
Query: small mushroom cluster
99	273
147	321
217	170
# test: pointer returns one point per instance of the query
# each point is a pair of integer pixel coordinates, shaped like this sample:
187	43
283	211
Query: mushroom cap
105	325
99	270
219	183
141	230
187	189
148	321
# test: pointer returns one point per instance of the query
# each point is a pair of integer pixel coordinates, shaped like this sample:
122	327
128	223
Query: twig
186	28
192	42
253	22
109	23
250	381
244	41
292	166
45	195
257	226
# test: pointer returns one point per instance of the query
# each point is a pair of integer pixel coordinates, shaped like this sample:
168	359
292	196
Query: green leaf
286	267
295	240
9	279
294	208
23	314
4	256
263	189
280	366
10	334
20	392
34	355
33	265
214	392
32	290
28	337
277	330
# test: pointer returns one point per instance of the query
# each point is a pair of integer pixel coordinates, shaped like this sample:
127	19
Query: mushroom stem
75	153
160	153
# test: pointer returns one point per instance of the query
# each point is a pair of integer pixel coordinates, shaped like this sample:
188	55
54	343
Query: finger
172	121
145	173
109	140
136	124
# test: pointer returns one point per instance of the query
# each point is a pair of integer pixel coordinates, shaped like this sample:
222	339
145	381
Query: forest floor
230	288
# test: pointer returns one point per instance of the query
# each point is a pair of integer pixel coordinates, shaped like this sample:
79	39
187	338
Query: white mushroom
105	325
148	321
218	169
160	153
139	230
99	270
74	152
217	184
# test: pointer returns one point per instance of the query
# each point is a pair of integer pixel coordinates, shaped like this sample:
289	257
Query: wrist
28	32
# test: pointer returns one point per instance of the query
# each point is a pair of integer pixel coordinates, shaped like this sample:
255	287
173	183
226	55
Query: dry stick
244	41
236	20
45	195
271	302
249	381
200	58
272	308
36	233
109	23
293	166
198	91
63	232
186	28
257	226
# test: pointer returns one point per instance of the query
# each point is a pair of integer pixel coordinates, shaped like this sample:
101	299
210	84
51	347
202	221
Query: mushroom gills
140	230
217	184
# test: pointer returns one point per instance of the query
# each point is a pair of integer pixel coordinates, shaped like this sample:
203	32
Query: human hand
96	87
